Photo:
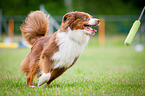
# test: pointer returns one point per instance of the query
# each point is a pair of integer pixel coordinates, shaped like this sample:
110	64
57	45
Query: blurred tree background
118	14
60	7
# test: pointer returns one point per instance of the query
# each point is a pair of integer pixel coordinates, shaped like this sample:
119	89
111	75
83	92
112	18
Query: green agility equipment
133	30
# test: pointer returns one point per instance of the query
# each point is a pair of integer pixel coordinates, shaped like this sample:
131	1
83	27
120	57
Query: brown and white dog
52	55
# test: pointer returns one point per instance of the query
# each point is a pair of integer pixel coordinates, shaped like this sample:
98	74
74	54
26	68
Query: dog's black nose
98	21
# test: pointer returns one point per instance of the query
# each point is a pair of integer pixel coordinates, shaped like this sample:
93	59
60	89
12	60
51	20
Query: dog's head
79	21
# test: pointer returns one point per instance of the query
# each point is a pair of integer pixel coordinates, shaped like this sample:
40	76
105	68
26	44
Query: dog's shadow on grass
56	84
62	85
19	82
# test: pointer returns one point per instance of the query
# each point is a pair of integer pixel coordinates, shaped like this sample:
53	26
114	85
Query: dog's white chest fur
71	44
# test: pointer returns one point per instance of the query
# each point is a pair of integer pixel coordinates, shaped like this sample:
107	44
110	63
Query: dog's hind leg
30	79
34	69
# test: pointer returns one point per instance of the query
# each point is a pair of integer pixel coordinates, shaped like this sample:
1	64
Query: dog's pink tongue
94	30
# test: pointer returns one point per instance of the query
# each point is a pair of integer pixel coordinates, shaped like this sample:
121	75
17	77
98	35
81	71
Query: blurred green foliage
58	7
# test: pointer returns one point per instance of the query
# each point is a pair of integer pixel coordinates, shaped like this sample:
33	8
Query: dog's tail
35	26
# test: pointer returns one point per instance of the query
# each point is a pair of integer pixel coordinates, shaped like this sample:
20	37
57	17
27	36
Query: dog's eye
86	18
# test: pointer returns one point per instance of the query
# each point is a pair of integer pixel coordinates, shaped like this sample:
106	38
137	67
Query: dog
52	55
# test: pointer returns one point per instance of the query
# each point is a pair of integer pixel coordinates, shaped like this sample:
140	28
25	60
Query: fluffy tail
35	26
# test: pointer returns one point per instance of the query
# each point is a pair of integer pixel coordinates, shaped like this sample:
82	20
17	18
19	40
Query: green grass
110	70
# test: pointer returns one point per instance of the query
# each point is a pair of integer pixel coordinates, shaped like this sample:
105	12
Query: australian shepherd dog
52	55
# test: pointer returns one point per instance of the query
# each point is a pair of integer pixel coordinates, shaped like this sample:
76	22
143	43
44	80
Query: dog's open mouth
88	28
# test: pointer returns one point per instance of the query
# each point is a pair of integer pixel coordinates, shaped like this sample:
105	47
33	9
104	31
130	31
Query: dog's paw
43	78
45	85
32	86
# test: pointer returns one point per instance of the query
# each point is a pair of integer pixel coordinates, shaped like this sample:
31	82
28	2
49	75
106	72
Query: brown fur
35	31
35	26
43	47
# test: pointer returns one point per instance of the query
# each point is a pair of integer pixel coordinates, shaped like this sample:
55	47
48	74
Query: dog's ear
68	19
64	18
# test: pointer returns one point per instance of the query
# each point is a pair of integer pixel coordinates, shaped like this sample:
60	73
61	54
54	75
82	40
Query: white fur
71	44
43	78
92	21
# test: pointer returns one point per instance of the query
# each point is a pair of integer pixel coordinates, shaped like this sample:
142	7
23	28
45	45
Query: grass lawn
110	70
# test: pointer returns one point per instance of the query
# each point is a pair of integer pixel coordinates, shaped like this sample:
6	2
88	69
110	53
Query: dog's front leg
45	65
55	73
